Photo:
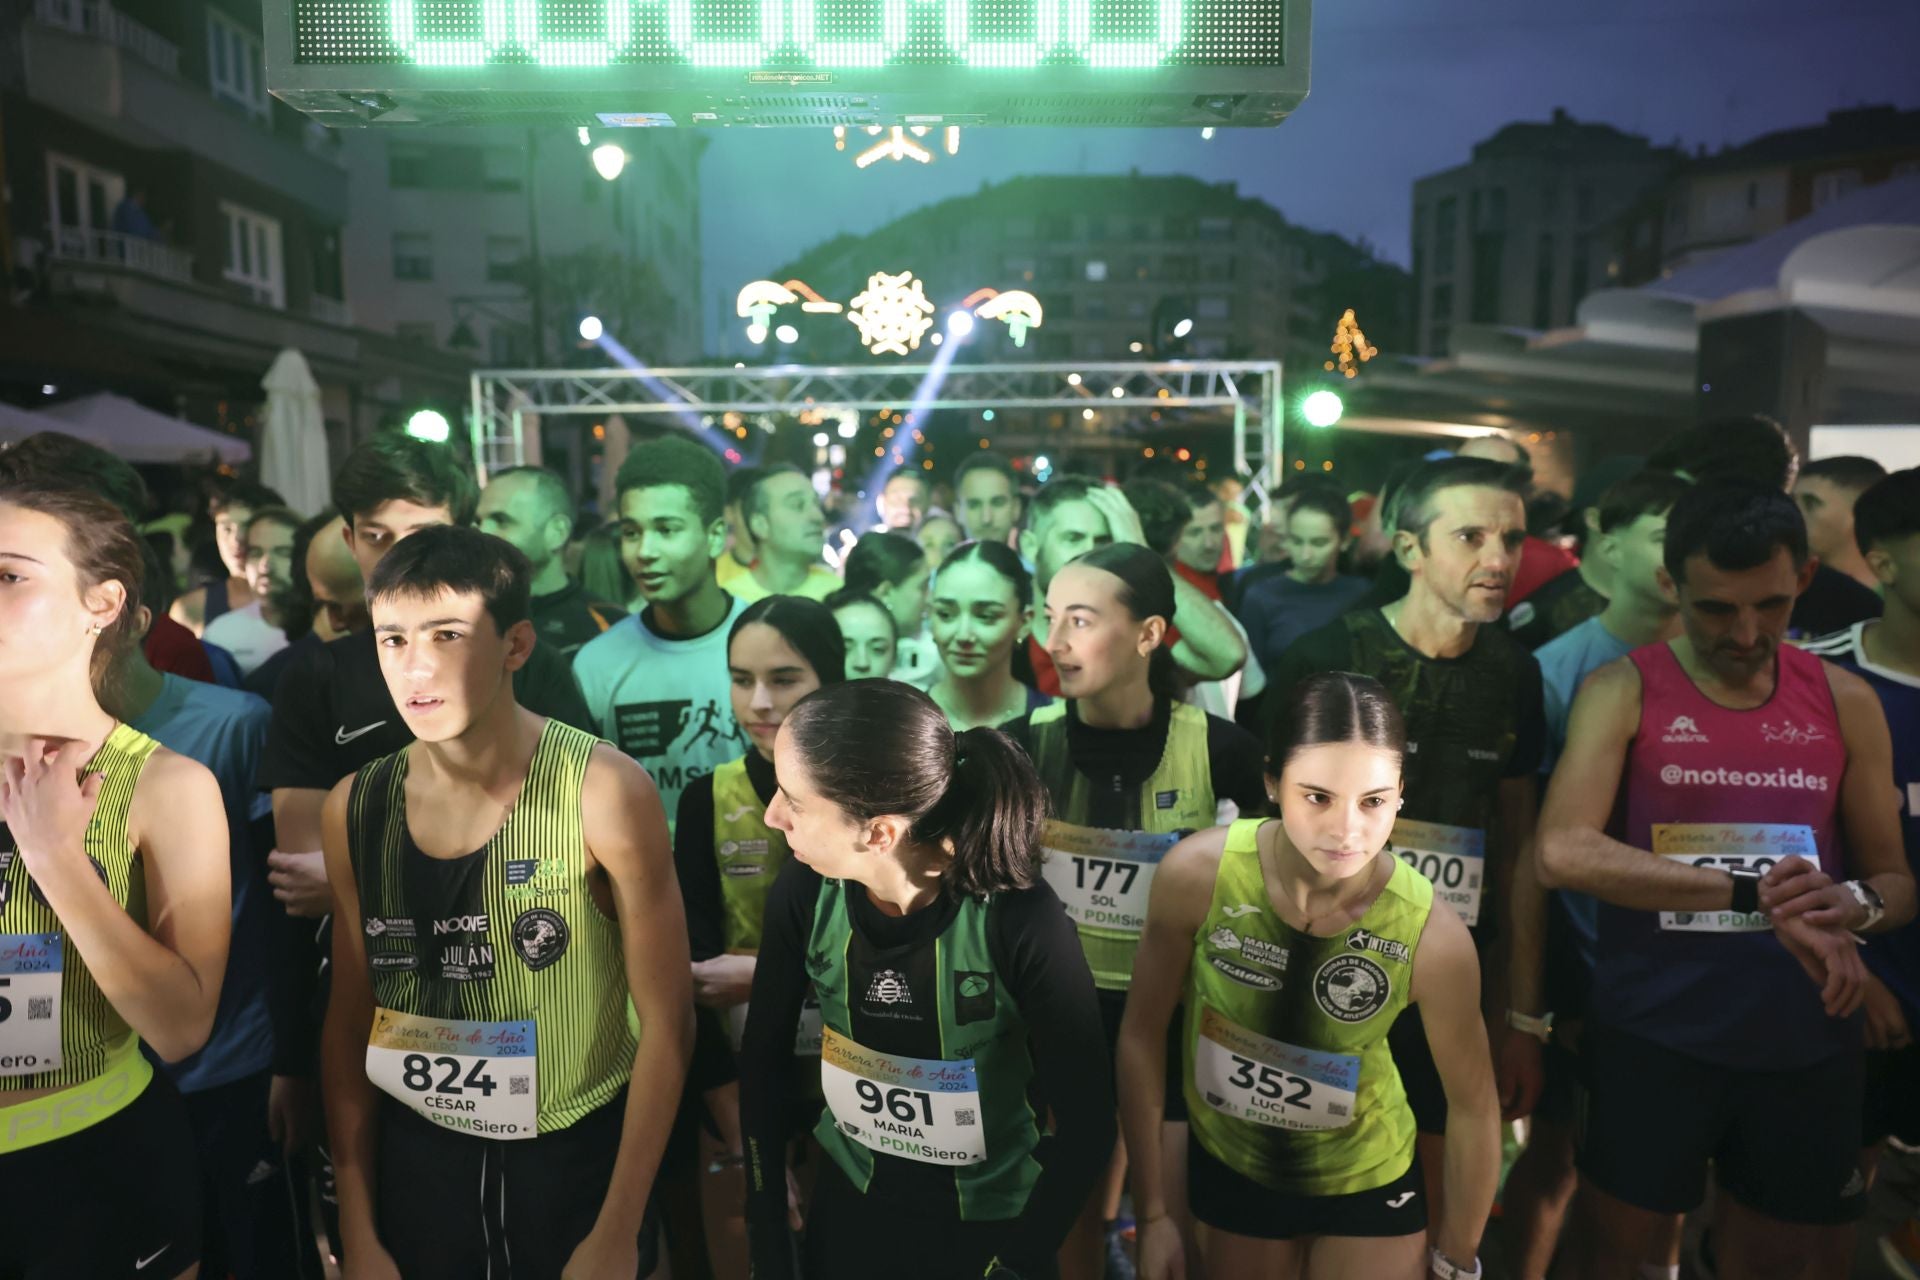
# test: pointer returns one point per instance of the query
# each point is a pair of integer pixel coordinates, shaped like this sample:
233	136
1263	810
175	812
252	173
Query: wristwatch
1869	898
1746	891
1541	1028
1447	1269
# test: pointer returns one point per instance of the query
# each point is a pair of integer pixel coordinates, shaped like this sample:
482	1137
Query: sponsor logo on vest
1235	912
737	814
394	963
1255	950
1481	753
1683	729
1789	779
742	848
744	869
973	996
889	986
818	962
1244	976
1351	988
1787	733
541	937
1165	799
537	878
460	924
1362	940
389	926
520	870
467	962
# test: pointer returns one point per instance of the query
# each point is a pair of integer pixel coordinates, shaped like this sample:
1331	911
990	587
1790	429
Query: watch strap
1746	891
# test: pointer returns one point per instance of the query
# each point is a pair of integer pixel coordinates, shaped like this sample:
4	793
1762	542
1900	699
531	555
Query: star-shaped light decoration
893	314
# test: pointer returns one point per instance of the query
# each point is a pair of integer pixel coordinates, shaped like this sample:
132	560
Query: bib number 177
1100	869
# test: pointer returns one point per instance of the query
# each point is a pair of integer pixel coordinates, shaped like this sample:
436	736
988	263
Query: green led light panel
791	35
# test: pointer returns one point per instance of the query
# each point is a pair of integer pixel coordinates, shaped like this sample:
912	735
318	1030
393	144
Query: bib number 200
908	1106
416	1073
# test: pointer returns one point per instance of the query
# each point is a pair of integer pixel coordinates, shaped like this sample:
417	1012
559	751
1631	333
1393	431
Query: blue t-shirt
1565	661
1280	610
226	730
1893	957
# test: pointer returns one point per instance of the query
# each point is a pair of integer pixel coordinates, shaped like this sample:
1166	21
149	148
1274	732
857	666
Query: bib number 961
908	1106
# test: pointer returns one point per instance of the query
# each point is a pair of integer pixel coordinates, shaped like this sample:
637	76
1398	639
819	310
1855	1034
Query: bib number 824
1101	869
898	1102
417	1074
1269	1082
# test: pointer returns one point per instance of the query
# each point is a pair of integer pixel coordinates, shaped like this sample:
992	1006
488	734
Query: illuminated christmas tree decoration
893	314
1349	347
1020	309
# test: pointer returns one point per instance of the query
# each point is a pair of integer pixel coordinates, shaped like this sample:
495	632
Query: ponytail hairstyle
1146	591
1334	706
808	627
103	546
879	747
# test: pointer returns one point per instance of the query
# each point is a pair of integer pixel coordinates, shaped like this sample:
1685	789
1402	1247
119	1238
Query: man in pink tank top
1702	798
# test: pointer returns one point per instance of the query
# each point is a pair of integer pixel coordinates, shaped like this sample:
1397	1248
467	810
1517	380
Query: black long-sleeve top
1037	955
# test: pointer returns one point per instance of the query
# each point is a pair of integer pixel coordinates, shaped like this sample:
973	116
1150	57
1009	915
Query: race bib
475	1077
921	1109
29	1003
1729	846
1104	877
1454	858
1249	1077
806	1033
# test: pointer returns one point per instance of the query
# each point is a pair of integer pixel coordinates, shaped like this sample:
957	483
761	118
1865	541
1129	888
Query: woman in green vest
114	909
1295	943
779	650
978	611
1130	769
968	1107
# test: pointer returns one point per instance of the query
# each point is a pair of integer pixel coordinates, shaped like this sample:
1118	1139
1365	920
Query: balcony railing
99	18
330	310
134	253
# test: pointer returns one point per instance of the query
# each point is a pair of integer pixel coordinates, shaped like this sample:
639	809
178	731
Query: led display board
790	62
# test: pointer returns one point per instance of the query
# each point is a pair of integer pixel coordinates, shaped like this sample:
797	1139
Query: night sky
1401	88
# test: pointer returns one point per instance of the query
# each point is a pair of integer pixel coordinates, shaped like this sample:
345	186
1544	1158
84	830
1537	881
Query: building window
1020	269
1543	284
1180	227
1217	269
416	331
1136	308
233	64
1096	270
1141	229
1056	266
82	199
1582	269
504	168
1216	228
1213	306
1093	307
1097	226
1443	229
412	256
1180	266
406	165
504	256
504	345
1056	226
1583	205
1489	253
1828	187
253	255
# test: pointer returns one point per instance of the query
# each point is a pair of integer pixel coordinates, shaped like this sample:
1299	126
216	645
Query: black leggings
850	1237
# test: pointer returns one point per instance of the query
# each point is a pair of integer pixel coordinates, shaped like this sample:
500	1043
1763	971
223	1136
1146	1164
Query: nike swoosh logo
148	1261
341	737
1400	1199
735	816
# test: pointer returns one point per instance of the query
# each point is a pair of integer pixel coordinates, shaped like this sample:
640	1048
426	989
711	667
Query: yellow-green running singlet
509	933
1289	1078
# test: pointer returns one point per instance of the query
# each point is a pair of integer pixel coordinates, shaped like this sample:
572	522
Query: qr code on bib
517	1085
39	1008
962	1116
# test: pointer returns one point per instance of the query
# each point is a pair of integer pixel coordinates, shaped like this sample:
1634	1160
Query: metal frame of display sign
639	63
1248	390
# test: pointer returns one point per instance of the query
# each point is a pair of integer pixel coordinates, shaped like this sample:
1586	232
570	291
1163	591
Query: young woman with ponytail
969	1103
1130	770
114	909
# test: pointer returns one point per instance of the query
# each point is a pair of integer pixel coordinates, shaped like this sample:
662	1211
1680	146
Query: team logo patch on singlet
541	937
1254	950
1362	940
973	996
1789	734
1683	729
1351	988
889	986
1244	976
